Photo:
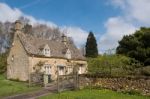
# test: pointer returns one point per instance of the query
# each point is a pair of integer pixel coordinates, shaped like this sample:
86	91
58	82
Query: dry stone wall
123	84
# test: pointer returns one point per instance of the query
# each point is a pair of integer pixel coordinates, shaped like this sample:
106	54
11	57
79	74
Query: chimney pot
18	25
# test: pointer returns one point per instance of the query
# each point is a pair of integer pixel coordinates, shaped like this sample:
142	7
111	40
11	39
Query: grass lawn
92	94
8	87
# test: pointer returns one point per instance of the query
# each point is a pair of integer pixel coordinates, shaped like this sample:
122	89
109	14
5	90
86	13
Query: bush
3	63
147	62
132	92
114	65
145	71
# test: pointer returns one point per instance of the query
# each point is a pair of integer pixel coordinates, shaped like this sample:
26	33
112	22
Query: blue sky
108	19
87	14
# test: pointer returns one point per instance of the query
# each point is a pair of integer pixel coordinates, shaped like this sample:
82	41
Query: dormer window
68	54
46	50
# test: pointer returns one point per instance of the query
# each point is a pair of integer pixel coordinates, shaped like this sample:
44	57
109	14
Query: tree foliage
136	45
3	62
91	46
28	28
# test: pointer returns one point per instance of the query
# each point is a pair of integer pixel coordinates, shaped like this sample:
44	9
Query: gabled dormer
46	50
68	54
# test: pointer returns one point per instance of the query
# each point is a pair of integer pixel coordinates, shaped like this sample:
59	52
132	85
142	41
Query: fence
36	79
67	82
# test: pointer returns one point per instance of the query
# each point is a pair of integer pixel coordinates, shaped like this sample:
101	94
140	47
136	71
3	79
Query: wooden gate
68	82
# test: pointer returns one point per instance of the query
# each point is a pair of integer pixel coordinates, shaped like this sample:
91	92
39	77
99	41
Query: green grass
93	94
8	87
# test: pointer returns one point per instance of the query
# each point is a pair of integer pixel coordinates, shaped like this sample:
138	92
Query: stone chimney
64	39
18	25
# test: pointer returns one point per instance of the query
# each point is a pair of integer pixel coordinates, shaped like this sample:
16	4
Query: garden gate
68	81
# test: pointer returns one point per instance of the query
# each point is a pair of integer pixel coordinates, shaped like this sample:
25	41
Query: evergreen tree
136	45
91	46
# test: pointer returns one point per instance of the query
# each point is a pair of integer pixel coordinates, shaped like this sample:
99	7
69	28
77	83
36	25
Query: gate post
58	81
75	75
45	80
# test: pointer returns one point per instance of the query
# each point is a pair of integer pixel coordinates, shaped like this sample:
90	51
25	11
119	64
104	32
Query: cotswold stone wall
17	61
141	85
54	62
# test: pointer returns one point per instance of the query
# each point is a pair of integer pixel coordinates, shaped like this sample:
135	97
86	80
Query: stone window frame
81	68
47	69
47	51
62	68
68	54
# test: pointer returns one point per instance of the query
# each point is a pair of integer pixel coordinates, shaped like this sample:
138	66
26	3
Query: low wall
127	84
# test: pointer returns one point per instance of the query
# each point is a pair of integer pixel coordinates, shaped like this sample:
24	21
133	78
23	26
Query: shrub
114	65
3	63
145	71
147	62
132	92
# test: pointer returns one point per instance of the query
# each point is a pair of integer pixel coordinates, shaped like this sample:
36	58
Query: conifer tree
91	46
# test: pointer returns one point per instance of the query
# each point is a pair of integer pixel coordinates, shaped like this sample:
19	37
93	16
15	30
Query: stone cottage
30	55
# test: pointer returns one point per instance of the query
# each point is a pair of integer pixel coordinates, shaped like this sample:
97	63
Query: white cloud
133	11
9	14
79	35
138	10
12	14
116	28
118	3
34	21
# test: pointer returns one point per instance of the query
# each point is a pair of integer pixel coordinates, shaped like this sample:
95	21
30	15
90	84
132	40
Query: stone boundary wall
121	84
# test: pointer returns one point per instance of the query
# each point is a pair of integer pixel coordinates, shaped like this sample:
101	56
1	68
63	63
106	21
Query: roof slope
34	45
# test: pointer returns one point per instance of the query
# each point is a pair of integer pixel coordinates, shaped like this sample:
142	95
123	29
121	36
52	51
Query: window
80	69
61	70
47	52
68	54
47	69
70	70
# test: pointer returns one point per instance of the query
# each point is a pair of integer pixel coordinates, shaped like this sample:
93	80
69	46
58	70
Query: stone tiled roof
33	46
